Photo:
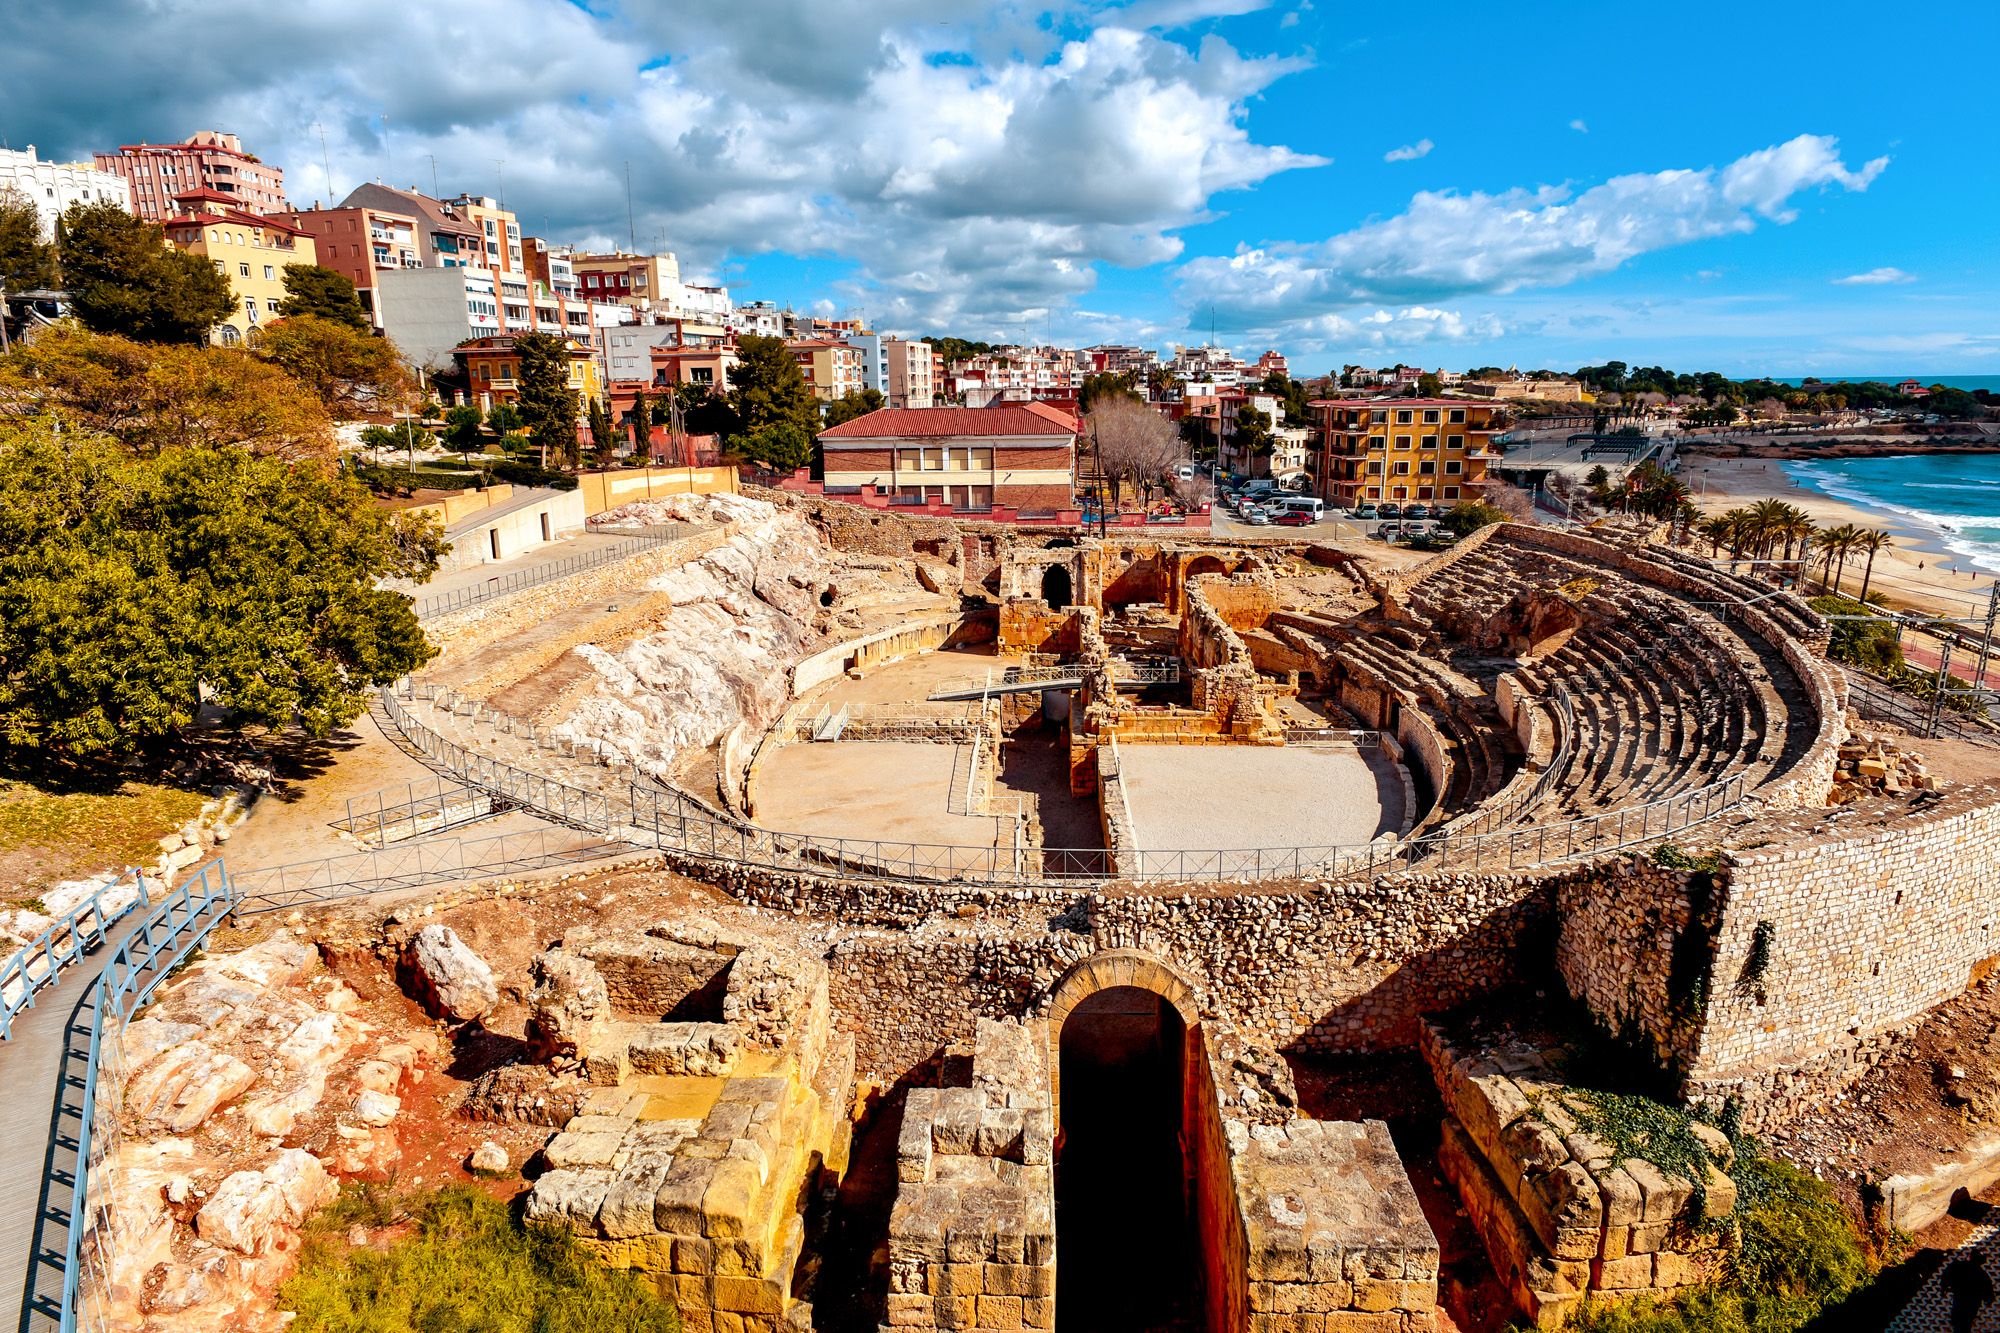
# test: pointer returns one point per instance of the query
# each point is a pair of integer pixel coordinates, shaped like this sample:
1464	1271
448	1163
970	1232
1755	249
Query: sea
1991	383
1950	500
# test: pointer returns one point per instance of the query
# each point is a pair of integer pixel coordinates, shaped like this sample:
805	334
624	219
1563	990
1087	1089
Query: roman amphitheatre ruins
968	928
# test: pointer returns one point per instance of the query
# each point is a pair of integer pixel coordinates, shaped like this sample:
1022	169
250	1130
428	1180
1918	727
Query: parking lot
1333	524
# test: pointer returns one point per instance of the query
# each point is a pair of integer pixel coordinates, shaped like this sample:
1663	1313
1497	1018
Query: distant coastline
1969	383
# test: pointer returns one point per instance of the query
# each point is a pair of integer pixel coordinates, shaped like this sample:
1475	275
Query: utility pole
1986	637
434	175
1943	675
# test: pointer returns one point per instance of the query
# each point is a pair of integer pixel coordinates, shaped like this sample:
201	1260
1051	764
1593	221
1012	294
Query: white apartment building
874	362
760	319
912	379
53	186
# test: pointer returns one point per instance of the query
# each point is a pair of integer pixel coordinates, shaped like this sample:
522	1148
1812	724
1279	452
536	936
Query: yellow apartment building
1433	450
250	250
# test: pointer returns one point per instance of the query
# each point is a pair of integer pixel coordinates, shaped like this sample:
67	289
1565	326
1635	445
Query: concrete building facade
832	367
912	382
53	186
429	311
211	160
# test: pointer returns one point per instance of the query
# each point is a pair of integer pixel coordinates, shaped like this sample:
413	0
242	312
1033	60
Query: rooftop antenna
325	162
631	225
434	175
500	166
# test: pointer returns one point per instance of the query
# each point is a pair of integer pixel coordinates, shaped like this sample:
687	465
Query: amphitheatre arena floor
1200	797
896	791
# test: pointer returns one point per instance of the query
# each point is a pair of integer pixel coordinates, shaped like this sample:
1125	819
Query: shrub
1871	645
467	1265
523	473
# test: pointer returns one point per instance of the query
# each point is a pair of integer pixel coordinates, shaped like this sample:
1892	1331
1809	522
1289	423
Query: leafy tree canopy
1097	387
858	404
782	446
958	349
123	278
136	587
27	262
1470	516
153	397
323	294
770	389
349	369
548	404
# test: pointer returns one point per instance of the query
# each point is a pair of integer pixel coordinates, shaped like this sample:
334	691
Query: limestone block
567	1008
186	1085
1038	1312
1680	1270
729	1206
677	1207
567	1196
489	1157
447	977
585	1147
251	1212
629	1201
376	1108
1624	1204
1666	1197
1632	1273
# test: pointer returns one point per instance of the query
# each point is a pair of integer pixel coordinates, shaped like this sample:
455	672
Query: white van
1308	505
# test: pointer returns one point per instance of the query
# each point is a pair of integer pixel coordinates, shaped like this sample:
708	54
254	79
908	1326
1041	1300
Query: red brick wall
1032	497
1031	458
858	460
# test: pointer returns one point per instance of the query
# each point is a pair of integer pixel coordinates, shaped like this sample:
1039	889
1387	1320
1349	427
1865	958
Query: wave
1951	530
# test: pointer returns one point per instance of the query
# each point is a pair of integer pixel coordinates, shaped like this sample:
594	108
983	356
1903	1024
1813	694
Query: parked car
1416	511
1363	512
1390	532
1389	509
1294	518
1256	518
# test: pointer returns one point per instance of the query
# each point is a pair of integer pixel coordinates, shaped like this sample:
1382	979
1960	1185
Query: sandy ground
1202	797
1912	573
895	791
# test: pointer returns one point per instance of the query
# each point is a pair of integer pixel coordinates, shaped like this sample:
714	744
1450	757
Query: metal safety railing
70	1279
500	585
672	821
416	808
38	964
302	883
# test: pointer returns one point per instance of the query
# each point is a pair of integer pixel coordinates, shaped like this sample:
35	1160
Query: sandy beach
1914	573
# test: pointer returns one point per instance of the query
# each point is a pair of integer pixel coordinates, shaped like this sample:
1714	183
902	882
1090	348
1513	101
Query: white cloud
1446	244
1007	149
1579	126
1874	277
1409	152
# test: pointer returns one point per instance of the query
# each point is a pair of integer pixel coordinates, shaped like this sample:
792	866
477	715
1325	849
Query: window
1453	466
269	273
982	460
1379	416
1457	416
1402	441
1430	416
270	306
1454	442
1374	467
243	269
221	267
1402	467
1451	492
1428	467
701	375
250	308
1404	417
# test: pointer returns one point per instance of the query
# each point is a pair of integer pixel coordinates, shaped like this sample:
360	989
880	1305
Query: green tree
603	435
503	419
122	277
27	262
134	589
350	369
1470	516
706	412
640	419
1253	431
461	428
323	294
858	404
1096	387
782	446
1429	385
770	389
548	404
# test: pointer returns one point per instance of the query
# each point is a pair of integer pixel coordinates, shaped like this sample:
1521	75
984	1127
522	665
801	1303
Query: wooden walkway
31	1067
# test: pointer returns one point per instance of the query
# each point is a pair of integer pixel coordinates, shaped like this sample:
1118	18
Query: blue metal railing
39	963
169	932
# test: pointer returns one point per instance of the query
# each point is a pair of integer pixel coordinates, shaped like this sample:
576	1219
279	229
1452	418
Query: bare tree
1134	442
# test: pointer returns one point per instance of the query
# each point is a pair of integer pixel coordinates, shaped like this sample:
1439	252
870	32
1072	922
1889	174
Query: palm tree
1827	541
1871	541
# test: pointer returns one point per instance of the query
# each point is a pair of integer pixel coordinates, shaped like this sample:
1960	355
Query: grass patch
467	1264
48	836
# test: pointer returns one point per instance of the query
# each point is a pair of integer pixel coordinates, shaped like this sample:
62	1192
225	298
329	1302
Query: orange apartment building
1430	449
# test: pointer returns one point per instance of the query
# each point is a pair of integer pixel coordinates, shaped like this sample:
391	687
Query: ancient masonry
1618	762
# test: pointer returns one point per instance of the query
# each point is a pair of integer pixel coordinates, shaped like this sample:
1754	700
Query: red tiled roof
1061	417
946	422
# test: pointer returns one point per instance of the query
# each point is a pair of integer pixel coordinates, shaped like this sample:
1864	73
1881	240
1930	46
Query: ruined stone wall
1318	967
1615	950
1859	936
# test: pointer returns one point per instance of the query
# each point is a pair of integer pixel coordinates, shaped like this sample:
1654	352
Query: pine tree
548	404
122	277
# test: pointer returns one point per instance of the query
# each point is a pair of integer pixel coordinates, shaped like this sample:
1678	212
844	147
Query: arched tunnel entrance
1127	1258
1057	589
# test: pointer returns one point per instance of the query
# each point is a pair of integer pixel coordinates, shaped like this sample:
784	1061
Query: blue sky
1750	188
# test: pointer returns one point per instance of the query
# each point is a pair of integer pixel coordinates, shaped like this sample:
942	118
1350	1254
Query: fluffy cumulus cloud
965	160
1447	245
1409	152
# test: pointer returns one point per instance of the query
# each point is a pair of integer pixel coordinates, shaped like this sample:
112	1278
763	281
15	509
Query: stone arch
1101	972
1121	967
1058	588
1204	564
